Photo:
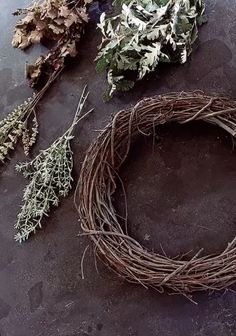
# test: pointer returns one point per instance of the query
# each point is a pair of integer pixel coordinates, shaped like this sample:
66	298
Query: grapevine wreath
97	184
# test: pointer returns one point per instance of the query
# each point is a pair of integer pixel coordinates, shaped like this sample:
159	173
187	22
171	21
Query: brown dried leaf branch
97	184
59	21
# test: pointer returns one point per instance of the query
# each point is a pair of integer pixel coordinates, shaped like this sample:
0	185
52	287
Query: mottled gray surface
181	193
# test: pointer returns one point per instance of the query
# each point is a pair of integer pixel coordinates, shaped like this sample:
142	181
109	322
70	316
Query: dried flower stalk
18	124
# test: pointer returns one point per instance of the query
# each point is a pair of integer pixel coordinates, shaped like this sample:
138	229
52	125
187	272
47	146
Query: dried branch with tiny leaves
61	22
144	34
50	179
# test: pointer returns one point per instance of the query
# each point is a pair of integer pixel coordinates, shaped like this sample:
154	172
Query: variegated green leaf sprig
145	33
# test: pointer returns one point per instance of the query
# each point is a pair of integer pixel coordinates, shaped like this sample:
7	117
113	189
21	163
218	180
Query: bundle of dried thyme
50	179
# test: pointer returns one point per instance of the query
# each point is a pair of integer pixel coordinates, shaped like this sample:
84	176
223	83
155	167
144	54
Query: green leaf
202	19
106	97
121	2
101	65
125	85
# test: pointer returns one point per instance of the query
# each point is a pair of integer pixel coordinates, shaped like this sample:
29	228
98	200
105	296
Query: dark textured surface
181	196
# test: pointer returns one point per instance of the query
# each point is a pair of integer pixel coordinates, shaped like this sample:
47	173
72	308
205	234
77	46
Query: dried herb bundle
21	123
50	179
59	21
145	33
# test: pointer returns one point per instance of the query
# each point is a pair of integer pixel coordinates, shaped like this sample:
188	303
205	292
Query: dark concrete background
181	194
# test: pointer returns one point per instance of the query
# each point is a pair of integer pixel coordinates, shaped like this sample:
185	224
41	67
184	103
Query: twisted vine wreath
97	184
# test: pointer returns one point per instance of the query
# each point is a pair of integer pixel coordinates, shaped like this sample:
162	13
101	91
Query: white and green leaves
145	33
50	179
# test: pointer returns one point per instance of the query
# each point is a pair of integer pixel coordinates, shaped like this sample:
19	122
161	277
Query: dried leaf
52	14
72	49
25	42
17	38
69	49
32	71
35	36
28	18
40	25
59	21
64	11
56	29
83	14
72	18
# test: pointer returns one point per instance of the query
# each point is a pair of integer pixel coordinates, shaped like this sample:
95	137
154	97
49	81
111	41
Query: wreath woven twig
97	184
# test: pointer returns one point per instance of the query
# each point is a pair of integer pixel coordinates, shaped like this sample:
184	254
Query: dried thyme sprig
50	179
18	125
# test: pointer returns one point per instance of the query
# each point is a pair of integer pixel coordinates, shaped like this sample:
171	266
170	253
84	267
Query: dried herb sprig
18	124
50	179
